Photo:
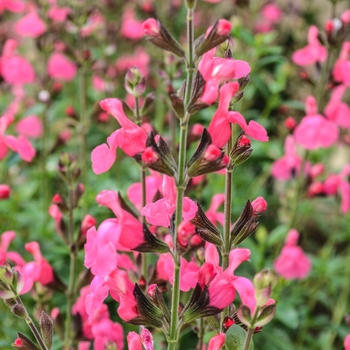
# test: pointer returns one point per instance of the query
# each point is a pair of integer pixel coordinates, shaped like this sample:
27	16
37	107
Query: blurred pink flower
58	14
61	68
106	332
336	110
147	339
212	213
131	27
341	67
347	342
272	13
292	263
315	131
30	126
5	241
15	69
31	25
15	6
313	52
140	59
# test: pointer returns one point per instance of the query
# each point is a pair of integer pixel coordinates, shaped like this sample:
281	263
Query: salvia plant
163	263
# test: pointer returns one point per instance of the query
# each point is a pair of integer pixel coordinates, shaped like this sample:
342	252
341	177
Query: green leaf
277	235
235	338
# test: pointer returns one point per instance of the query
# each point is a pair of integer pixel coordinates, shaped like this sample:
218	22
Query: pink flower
313	52
134	193
220	129
347	342
315	131
5	241
130	138
134	341
97	294
31	25
217	342
15	69
285	167
188	271
58	14
272	13
15	6
30	126
121	289
160	212
150	27
5	191
17	144
342	65
292	263
217	70
147	339
131	28
127	227
259	205
106	332
212	213
93	23
88	222
338	111
140	59
61	68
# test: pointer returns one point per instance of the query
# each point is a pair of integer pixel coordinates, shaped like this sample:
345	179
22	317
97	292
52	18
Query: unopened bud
19	311
228	322
5	191
264	279
151	27
149	156
241	150
259	205
135	82
88	222
6	274
212	153
290	123
71	112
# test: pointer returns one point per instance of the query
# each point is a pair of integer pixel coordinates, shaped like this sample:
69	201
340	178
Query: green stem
173	339
84	122
72	266
200	334
248	338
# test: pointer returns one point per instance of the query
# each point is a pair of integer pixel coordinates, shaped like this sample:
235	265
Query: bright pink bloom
315	131
186	231
160	212
80	308
22	146
336	110
61	68
342	65
31	25
217	70
131	27
131	230
97	294
316	170
188	271
30	126
313	52
134	341
220	129
224	27
292	263
106	332
5	191
15	69
345	16
217	342
100	244
15	6
130	138
347	342
134	193
121	289
290	123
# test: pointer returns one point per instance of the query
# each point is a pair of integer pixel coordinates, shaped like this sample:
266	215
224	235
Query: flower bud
135	82
259	205
151	27
265	278
290	123
46	328
88	222
19	311
149	156
5	191
6	274
241	150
